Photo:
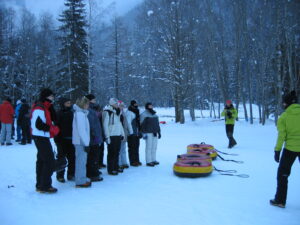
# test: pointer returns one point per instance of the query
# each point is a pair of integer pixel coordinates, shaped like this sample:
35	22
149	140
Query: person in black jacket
24	122
63	141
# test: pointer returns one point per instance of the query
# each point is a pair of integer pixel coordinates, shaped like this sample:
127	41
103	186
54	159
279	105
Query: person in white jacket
81	141
114	134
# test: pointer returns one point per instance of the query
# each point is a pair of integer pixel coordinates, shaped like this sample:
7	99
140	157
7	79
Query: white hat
19	102
113	101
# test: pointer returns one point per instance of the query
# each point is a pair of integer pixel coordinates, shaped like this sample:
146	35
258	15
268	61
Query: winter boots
276	203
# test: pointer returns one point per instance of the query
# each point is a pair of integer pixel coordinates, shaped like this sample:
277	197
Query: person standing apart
24	122
42	130
17	110
81	141
230	114
133	118
114	134
6	119
151	133
288	126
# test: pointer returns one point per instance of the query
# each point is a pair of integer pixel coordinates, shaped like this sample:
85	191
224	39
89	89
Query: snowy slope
154	196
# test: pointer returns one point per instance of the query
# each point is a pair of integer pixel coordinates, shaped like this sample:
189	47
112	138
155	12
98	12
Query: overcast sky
56	6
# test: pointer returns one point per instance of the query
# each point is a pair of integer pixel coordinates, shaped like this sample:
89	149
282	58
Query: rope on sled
231	173
225	153
230	160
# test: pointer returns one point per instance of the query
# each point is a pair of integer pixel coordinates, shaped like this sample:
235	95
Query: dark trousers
101	154
113	151
45	162
133	148
26	136
284	171
229	132
65	149
92	165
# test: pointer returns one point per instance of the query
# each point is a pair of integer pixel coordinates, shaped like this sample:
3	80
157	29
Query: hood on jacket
78	109
293	109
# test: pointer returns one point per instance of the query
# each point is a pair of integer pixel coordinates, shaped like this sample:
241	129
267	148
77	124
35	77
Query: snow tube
193	157
199	146
192	168
204	151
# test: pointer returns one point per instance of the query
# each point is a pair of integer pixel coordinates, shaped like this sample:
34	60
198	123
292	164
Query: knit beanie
90	97
113	101
46	92
290	98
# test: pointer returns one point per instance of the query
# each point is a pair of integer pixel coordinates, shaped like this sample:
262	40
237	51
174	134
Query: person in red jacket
6	117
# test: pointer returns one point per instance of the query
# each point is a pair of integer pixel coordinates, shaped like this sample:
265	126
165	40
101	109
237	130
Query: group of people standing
80	131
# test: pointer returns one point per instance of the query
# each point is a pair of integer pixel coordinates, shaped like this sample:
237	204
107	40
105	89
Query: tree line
184	53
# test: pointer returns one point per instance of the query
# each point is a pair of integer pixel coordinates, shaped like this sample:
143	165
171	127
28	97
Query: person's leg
149	143
131	149
8	133
101	155
45	163
92	162
284	170
154	148
3	133
80	165
70	154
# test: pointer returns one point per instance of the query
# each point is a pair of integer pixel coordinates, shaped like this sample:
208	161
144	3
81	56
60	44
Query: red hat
228	102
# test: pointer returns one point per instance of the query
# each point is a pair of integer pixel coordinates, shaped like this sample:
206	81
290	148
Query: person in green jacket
230	114
288	126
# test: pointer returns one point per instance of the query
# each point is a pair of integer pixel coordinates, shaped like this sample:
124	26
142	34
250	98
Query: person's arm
128	120
281	137
105	122
84	136
223	113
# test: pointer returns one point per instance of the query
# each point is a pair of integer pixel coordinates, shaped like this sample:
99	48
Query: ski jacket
230	115
6	112
288	127
17	110
81	127
112	125
41	121
64	122
149	123
24	115
133	127
95	126
125	123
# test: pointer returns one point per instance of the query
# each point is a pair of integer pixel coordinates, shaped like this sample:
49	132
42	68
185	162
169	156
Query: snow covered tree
73	66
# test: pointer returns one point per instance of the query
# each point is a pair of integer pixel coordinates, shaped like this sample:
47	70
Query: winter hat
290	98
113	101
133	102
19	102
8	99
147	105
121	103
46	92
63	100
90	97
228	102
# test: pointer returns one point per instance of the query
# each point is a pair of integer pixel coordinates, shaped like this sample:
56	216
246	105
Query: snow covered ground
154	196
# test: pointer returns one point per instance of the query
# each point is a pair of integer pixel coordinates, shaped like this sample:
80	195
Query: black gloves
159	135
229	114
86	149
277	156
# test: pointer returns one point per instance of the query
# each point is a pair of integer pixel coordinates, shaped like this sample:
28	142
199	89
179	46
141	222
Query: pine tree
73	70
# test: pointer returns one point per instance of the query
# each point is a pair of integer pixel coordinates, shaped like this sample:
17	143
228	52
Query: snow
155	196
150	12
